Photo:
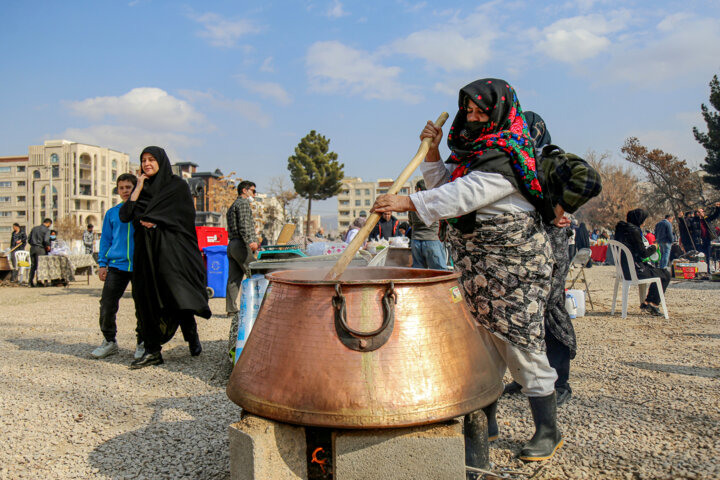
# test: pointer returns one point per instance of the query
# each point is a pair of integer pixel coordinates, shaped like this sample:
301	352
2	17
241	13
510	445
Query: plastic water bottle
247	314
570	305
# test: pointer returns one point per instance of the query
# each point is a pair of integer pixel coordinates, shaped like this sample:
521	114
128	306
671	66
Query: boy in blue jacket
116	262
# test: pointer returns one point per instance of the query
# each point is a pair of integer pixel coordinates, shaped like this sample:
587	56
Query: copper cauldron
383	347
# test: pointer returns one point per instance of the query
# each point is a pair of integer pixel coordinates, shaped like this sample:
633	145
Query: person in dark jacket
630	234
702	233
664	237
169	282
570	183
39	241
387	227
18	240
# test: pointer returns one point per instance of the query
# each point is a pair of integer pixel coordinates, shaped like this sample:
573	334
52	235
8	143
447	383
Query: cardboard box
688	270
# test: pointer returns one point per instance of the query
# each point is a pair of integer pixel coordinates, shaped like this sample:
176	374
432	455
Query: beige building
357	197
78	180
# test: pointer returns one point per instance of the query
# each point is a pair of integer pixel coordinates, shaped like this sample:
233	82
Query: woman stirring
493	200
168	273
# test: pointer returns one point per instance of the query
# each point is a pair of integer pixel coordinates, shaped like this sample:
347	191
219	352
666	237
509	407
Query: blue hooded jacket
116	242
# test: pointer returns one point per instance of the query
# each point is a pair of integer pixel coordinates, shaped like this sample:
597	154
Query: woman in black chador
630	234
168	272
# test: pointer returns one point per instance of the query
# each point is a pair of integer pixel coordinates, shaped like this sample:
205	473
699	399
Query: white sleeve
434	173
466	194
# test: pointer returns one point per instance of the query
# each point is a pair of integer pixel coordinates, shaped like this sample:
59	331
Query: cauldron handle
364	341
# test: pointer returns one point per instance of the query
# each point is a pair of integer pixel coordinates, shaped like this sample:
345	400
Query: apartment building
357	197
58	179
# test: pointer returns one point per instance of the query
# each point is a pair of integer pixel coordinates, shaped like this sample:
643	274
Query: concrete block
263	449
427	452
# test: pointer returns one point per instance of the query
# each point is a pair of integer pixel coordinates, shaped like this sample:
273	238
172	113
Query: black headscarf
538	130
637	216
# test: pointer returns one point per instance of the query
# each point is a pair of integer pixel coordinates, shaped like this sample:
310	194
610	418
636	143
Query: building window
4	199
5	184
36	174
357	203
382	192
367	191
21	199
5	229
363	213
21	183
367	203
114	163
54	158
77	204
20	213
21	169
344	202
404	191
56	171
4	169
5	214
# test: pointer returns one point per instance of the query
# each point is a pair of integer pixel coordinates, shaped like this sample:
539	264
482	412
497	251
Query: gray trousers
239	258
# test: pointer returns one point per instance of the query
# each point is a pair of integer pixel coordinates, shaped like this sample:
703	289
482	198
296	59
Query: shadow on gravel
177	357
703	335
186	438
709	372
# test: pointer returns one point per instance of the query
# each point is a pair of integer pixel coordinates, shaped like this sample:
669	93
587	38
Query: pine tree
711	140
314	171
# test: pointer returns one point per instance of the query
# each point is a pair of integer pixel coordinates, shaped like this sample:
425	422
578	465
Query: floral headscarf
489	146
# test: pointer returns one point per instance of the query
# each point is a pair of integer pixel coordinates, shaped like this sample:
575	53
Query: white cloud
336	10
267	65
579	38
336	68
129	139
683	47
221	32
449	47
249	110
266	89
146	107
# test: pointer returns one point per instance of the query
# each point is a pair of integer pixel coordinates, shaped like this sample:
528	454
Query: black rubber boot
547	436
477	447
492	426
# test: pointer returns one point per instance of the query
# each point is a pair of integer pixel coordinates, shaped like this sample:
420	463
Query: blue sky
235	85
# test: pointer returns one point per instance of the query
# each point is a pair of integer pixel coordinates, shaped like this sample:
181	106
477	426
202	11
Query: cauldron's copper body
297	367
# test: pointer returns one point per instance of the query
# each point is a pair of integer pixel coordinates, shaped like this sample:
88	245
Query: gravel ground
646	401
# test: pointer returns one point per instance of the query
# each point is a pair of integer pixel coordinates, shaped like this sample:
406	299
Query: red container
209	236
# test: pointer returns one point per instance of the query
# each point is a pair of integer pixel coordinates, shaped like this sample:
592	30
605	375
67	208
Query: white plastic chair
581	258
618	250
23	272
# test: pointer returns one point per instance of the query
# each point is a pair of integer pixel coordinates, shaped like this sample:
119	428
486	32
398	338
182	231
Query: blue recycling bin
217	269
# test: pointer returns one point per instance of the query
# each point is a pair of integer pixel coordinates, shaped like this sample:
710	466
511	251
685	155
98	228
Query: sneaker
655	311
139	350
105	349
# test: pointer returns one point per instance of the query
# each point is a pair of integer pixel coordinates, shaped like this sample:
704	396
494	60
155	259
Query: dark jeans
558	356
188	326
646	271
115	284
35	252
239	258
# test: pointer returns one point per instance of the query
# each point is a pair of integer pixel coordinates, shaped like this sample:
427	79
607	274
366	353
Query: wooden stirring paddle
337	270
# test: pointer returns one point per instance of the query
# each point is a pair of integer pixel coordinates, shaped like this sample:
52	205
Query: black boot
490	413
547	436
195	346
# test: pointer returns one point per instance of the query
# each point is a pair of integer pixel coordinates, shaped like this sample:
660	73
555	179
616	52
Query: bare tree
281	189
222	193
67	229
674	186
619	193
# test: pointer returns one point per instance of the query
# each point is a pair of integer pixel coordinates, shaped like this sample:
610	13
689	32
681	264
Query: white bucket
579	296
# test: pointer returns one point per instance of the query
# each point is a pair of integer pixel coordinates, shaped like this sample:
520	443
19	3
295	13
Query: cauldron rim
389	274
